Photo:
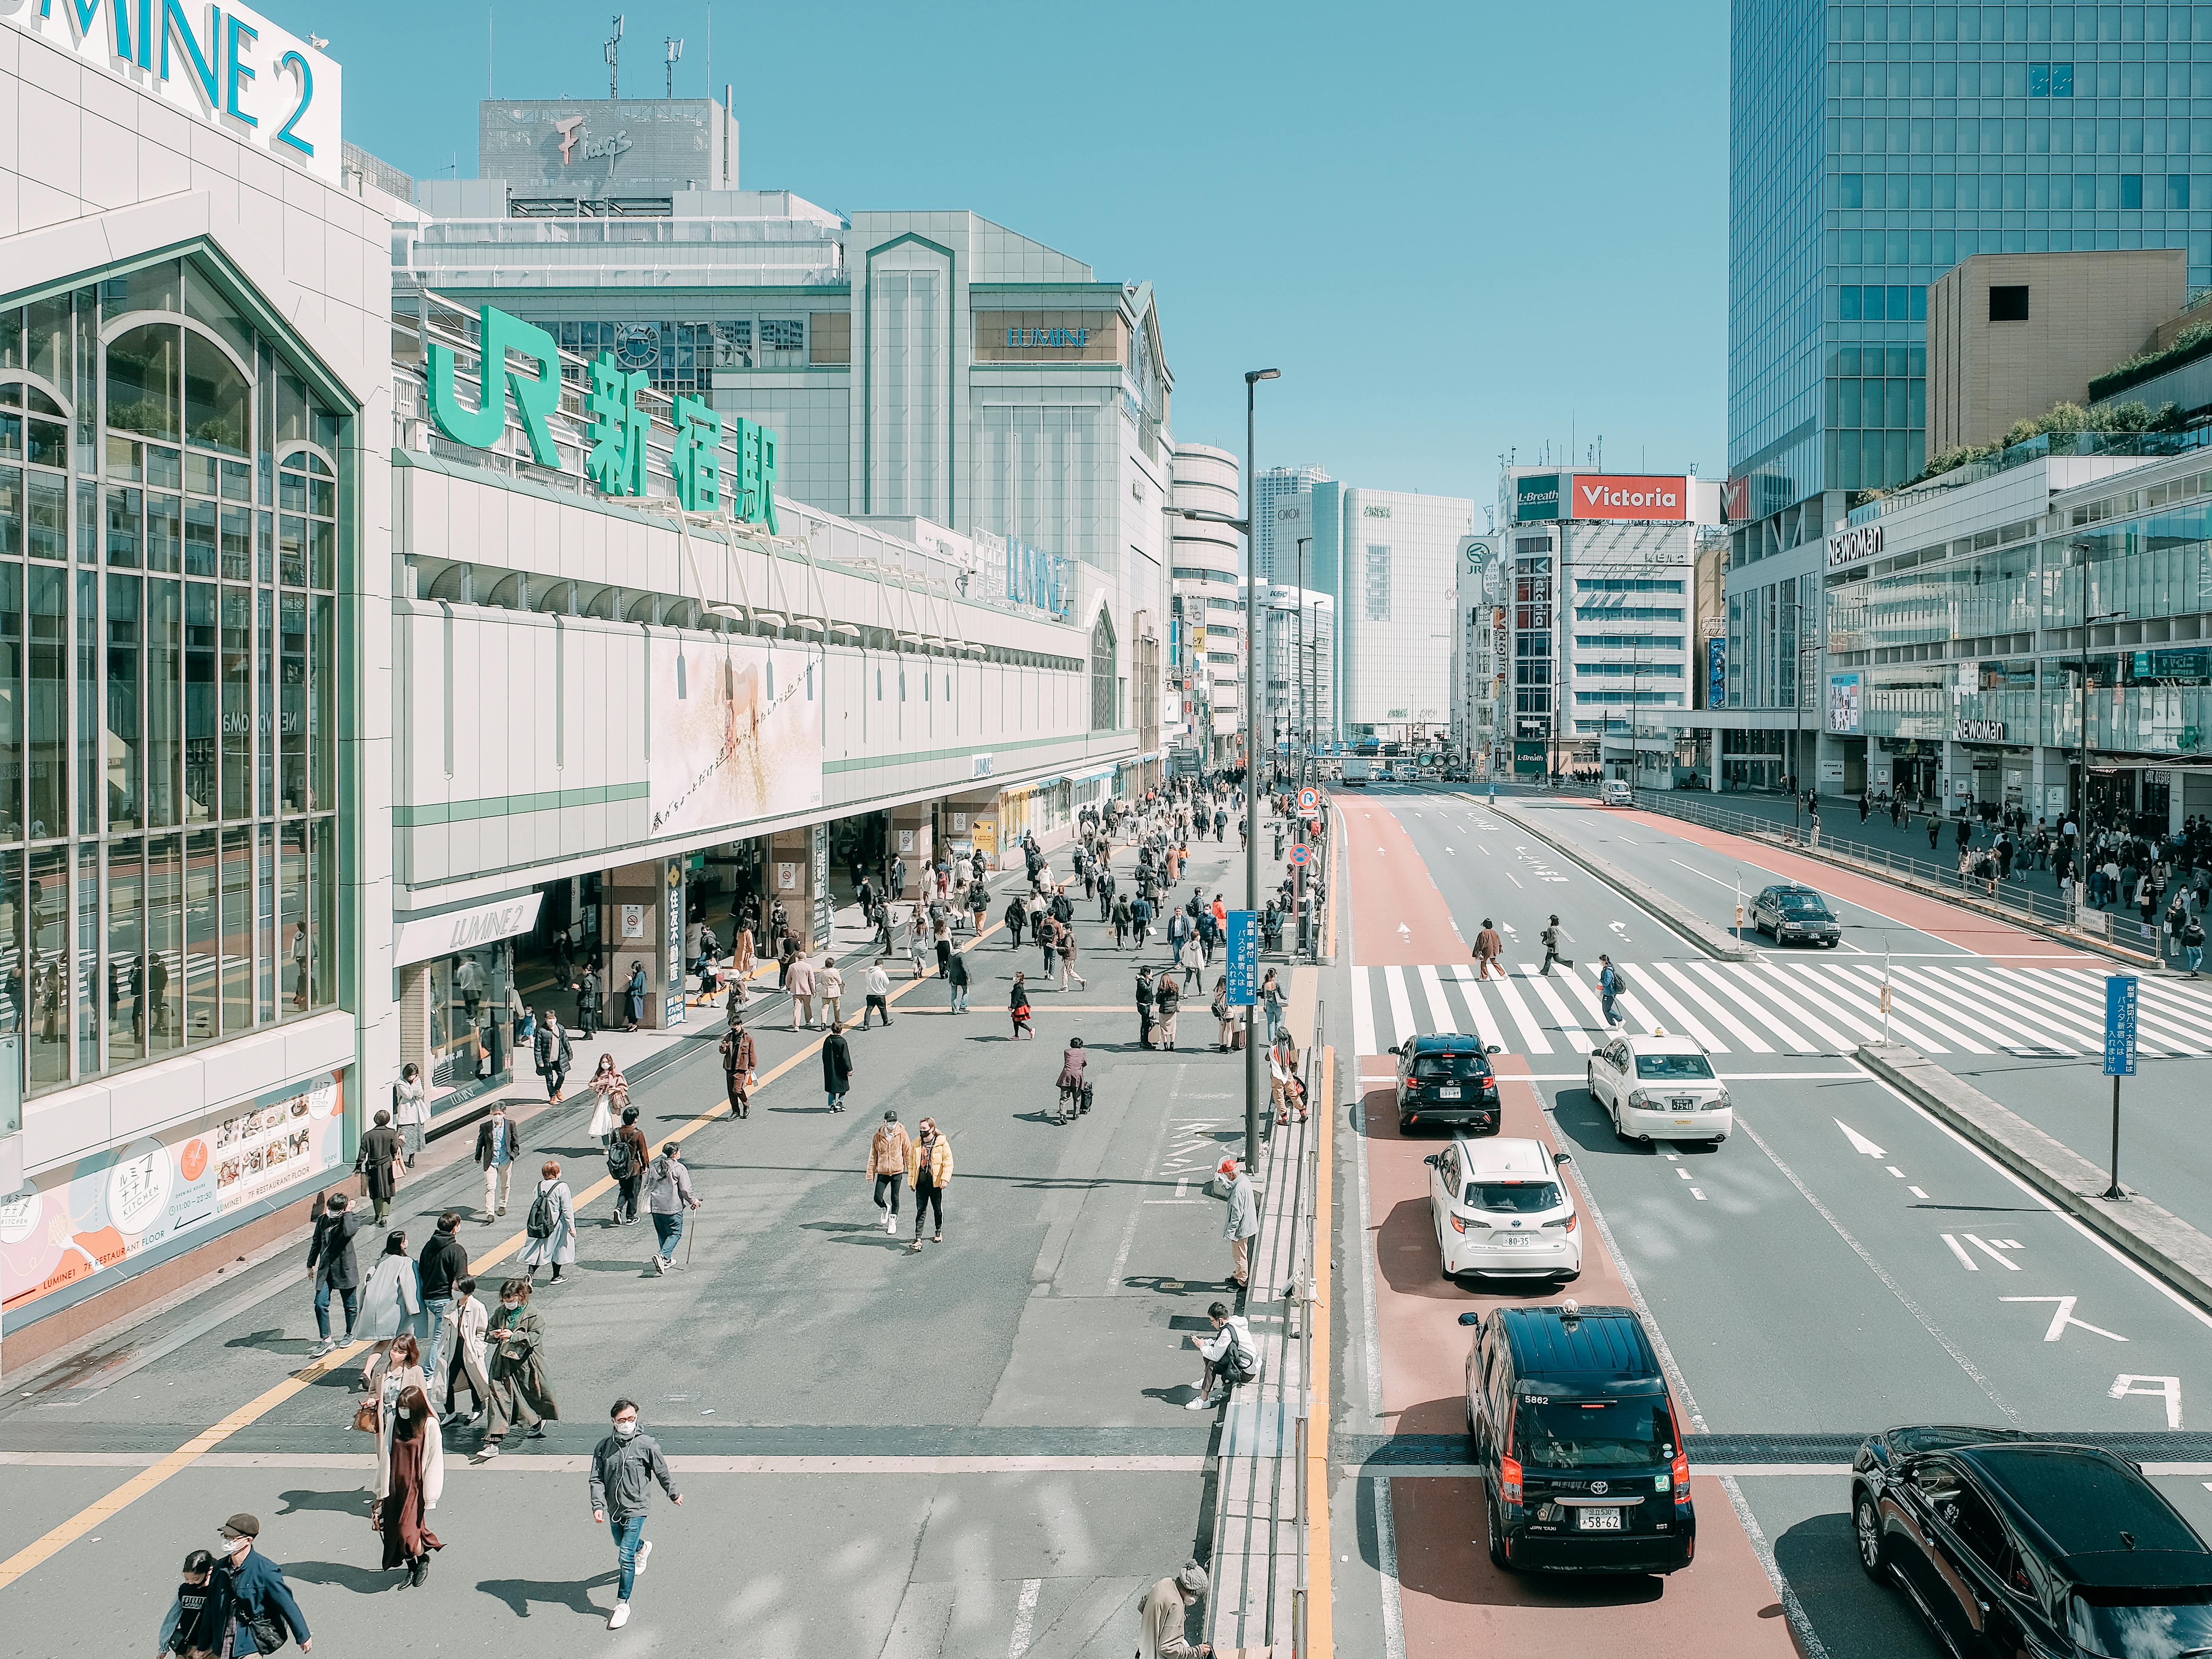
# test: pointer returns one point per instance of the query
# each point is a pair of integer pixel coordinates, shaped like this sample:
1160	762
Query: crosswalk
1959	1004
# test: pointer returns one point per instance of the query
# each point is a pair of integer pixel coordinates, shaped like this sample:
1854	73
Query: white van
1617	792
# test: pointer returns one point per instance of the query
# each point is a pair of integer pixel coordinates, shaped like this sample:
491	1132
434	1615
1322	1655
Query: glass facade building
168	666
1874	146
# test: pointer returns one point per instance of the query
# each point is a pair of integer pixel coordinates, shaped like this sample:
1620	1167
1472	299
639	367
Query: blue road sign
1298	855
1243	963
2120	1025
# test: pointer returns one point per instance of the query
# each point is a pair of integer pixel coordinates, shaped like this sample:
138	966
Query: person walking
1192	960
1167	1001
1609	987
1242	1224
378	1162
195	1626
1147	1006
1552	939
1274	1000
553	1055
627	1157
929	1172
1488	948
465	1359
589	1000
878	985
668	1195
800	983
1065	941
519	1390
829	993
2192	944
1016	918
550	1228
1228	1017
611	1091
443	1264
1165	1611
633	995
390	1302
1122	921
624	1466
498	1146
1018	1006
410	1110
1140	917
836	1067
333	1266
739	1063
411	1476
259	1606
956	975
889	1154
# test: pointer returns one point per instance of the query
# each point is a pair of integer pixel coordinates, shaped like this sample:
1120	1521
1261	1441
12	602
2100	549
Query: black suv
2010	1543
1790	914
1446	1080
1579	1446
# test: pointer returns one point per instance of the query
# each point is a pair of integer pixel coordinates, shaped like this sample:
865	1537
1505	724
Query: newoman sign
225	66
1620	495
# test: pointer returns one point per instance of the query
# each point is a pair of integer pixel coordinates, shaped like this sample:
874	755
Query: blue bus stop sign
2120	1025
1243	963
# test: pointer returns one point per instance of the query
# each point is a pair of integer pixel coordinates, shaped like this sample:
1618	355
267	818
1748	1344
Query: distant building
1208	671
1275	484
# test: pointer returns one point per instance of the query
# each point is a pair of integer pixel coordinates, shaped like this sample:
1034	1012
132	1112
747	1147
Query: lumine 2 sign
620	427
226	66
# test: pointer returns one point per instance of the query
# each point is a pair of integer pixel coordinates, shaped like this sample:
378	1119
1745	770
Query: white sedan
1502	1209
1660	1087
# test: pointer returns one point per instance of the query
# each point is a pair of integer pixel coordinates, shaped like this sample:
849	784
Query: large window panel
265	923
322	705
165	533
292	647
84	978
123	752
292	919
200	553
11	703
265	725
201	717
126	510
165	944
142	373
236	943
47	677
49	948
126	950
202	896
323	933
85	751
165	697
237	674
216	398
45	516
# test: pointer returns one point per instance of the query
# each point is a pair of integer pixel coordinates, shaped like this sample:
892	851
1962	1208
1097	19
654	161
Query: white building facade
1479	661
1400	553
1208	669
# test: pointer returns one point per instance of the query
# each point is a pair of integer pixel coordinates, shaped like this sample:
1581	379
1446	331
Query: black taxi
1445	1079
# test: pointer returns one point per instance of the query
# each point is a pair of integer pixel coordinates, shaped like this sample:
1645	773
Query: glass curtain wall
168	727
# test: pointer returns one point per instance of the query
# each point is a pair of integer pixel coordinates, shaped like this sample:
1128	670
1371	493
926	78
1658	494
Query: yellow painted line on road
1320	1629
103	1509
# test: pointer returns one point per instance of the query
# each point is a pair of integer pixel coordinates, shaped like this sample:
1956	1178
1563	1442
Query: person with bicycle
1074	1089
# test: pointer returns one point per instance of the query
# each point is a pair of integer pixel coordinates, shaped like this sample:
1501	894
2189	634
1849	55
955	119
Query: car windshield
1585	1434
1446	1067
1512	1197
2141	1624
1675	1068
1806	906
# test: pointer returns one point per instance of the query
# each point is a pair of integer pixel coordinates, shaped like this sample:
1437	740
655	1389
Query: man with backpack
1551	938
1609	987
627	1156
1231	1356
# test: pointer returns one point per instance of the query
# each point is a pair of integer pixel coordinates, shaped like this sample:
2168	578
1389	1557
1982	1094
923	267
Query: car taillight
1509	1480
1459	1224
1682	1478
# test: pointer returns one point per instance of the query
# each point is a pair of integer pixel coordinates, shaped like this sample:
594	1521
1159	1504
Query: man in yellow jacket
929	1169
1164	1609
887	1166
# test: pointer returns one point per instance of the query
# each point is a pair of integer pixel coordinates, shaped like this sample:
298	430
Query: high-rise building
1399	555
1872	148
1208	603
1274	484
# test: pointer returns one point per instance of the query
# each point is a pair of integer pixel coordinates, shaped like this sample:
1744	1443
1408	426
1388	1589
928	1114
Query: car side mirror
1470	1317
1563	1158
1396	1048
1493	1049
1430	1160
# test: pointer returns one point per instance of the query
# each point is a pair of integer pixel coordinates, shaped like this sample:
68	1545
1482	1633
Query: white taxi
1502	1208
1660	1087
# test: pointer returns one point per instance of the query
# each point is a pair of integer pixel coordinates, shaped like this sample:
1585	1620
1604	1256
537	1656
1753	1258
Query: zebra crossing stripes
1781	1004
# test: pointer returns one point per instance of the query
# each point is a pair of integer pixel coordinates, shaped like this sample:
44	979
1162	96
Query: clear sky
1457	229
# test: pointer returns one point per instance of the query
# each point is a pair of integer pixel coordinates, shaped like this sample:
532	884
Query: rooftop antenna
675	51
613	50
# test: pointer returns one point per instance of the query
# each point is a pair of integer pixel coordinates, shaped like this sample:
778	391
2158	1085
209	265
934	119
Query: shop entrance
549	961
858	846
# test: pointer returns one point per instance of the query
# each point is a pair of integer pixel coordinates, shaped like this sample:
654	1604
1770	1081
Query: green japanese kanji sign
754	499
618	429
695	462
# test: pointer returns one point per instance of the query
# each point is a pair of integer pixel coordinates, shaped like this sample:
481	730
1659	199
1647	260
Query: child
196	1621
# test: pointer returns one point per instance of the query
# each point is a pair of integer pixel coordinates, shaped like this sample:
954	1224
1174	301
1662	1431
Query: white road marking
1522	1017
1859	1143
1386	1559
1894	1170
1993	1253
2170	1387
2063	1316
1959	1250
1915	1192
1362	1013
1025	1618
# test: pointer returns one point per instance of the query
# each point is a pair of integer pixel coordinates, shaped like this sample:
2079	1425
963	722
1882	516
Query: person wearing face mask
263	1614
520	1393
411	1474
624	1469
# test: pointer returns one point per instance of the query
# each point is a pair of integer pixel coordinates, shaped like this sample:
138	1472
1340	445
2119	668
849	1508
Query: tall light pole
1254	1089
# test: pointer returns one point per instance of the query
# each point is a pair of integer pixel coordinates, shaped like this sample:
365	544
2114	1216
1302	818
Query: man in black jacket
442	1262
377	1163
498	1146
332	1267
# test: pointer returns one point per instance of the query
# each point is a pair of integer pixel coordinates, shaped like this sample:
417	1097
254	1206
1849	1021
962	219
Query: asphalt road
978	1449
1841	1263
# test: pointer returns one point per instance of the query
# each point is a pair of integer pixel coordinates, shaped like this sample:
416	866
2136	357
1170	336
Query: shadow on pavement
362	1581
299	1500
519	1594
1849	1611
1443	1552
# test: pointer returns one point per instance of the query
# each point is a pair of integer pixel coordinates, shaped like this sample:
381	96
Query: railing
1305	1248
2048	909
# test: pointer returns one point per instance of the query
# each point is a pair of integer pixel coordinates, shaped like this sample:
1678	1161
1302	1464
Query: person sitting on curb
1231	1356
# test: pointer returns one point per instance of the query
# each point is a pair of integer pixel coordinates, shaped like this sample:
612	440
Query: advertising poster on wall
737	734
1843	704
1717	673
87	1217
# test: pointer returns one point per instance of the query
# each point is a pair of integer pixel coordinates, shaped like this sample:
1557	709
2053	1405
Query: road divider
2152	1236
1717	942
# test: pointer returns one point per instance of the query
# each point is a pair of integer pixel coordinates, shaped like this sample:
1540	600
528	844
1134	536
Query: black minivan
1580	1449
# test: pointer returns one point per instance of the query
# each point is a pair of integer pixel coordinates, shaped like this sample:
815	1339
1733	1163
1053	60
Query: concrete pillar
914	841
798	875
644	925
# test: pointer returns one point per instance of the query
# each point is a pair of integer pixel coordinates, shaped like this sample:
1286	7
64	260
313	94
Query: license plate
1684	1105
1450	1091
1597	1520
1512	1241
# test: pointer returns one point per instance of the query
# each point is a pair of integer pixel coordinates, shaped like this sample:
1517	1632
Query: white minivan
1617	792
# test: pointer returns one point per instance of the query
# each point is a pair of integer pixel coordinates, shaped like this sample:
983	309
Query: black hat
241	1526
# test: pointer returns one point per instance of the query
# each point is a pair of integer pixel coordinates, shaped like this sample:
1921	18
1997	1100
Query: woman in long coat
558	1248
411	1476
469	1358
390	1302
520	1392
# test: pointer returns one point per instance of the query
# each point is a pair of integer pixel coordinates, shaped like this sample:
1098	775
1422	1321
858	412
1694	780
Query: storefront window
467	994
168	715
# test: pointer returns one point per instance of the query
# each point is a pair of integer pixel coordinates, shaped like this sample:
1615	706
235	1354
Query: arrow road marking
1859	1142
2064	1316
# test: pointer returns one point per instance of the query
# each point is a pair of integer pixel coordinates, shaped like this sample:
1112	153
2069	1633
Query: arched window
1105	687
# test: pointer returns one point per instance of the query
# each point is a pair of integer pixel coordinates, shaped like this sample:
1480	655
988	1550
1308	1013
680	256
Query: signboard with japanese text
672	922
1845	694
736	733
2120	994
1243	958
81	1220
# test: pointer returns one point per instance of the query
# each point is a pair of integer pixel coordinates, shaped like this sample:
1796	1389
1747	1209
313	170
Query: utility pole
613	53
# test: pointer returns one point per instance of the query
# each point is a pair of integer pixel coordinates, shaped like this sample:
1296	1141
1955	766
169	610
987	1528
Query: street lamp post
1255	1090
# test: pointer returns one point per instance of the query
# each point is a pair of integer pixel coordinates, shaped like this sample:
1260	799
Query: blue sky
1456	229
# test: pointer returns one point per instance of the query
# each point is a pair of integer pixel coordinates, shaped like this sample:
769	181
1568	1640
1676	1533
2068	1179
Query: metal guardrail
1309	1242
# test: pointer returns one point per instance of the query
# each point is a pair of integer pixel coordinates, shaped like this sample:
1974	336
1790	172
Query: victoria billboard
1629	495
